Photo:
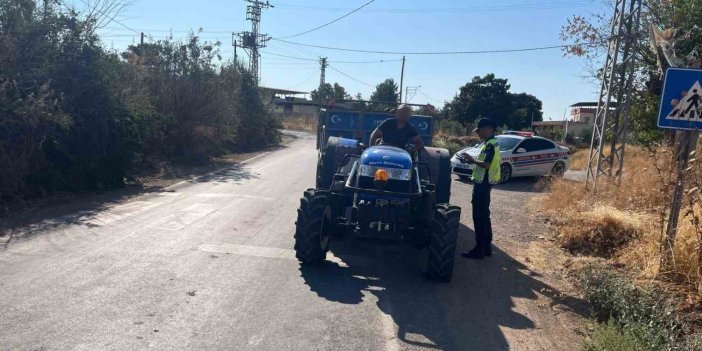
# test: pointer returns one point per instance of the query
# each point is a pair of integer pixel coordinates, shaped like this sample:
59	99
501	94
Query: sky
388	25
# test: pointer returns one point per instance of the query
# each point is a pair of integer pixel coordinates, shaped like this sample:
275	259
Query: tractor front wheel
442	243
311	245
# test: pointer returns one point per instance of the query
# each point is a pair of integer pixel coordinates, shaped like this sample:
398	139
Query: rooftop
590	104
548	123
283	91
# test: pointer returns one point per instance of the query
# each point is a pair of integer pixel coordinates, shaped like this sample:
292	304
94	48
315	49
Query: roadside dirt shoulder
532	273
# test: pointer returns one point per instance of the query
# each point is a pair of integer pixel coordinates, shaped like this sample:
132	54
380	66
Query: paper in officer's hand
465	158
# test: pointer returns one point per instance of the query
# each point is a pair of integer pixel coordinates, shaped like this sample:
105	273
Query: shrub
451	127
643	315
446	144
608	337
75	117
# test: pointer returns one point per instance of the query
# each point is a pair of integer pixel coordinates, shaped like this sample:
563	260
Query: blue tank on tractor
378	192
386	156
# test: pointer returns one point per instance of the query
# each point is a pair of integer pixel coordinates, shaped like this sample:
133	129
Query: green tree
73	116
358	104
387	91
482	97
525	109
340	93
643	118
322	93
329	91
682	39
490	97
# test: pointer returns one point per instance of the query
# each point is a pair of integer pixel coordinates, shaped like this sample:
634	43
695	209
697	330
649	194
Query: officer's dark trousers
481	217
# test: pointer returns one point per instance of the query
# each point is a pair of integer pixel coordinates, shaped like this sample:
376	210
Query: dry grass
578	162
626	223
303	123
600	232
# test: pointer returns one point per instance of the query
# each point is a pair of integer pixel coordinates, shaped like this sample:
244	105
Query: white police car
523	155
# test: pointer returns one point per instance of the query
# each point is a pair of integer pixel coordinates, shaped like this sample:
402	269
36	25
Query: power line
348	76
427	96
290	57
181	31
302	82
427	52
448	10
296	50
316	60
328	23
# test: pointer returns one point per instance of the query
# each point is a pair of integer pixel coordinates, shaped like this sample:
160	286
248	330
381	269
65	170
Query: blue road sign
681	103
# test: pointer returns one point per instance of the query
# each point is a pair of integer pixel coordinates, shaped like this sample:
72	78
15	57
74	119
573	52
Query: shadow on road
233	173
90	209
466	314
521	184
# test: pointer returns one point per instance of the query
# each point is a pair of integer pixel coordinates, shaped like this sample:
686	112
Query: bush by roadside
625	225
633	317
75	117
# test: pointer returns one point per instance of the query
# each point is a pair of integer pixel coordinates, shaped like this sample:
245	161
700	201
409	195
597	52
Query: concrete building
288	103
576	129
583	112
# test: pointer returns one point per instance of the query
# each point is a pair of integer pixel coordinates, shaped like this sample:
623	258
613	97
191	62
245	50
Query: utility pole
686	142
253	40
402	77
611	118
322	79
408	90
142	38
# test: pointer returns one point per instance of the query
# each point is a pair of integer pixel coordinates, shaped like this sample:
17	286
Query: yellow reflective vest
494	170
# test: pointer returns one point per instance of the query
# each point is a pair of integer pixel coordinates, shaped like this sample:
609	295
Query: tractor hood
386	156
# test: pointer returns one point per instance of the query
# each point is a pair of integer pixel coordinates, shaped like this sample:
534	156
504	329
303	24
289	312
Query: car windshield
507	143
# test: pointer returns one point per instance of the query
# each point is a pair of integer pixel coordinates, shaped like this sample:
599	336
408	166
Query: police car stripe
523	164
537	159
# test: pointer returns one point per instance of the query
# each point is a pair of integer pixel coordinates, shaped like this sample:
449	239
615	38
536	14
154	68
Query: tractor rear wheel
311	244
442	243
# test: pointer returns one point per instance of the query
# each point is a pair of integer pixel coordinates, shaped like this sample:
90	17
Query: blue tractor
378	192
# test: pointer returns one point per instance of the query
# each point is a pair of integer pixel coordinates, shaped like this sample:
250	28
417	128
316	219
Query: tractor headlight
393	173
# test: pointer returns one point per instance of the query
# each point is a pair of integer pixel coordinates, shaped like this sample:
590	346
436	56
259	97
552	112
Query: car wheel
505	172
558	169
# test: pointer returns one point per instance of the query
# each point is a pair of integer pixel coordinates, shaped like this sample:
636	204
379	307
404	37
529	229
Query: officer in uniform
485	175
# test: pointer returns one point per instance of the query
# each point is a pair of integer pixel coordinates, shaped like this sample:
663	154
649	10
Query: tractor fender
330	158
438	161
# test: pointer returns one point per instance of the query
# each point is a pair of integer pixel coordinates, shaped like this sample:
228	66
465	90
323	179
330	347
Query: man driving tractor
398	131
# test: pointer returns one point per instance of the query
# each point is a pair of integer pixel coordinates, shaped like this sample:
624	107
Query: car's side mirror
521	150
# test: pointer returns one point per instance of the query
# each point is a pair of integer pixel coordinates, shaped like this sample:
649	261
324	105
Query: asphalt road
208	265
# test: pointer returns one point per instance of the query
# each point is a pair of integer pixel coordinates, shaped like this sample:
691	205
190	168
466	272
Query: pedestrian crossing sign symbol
681	103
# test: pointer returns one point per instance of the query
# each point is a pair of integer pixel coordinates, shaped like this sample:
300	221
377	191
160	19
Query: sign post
681	109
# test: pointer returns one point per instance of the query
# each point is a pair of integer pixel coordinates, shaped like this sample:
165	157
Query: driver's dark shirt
394	136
